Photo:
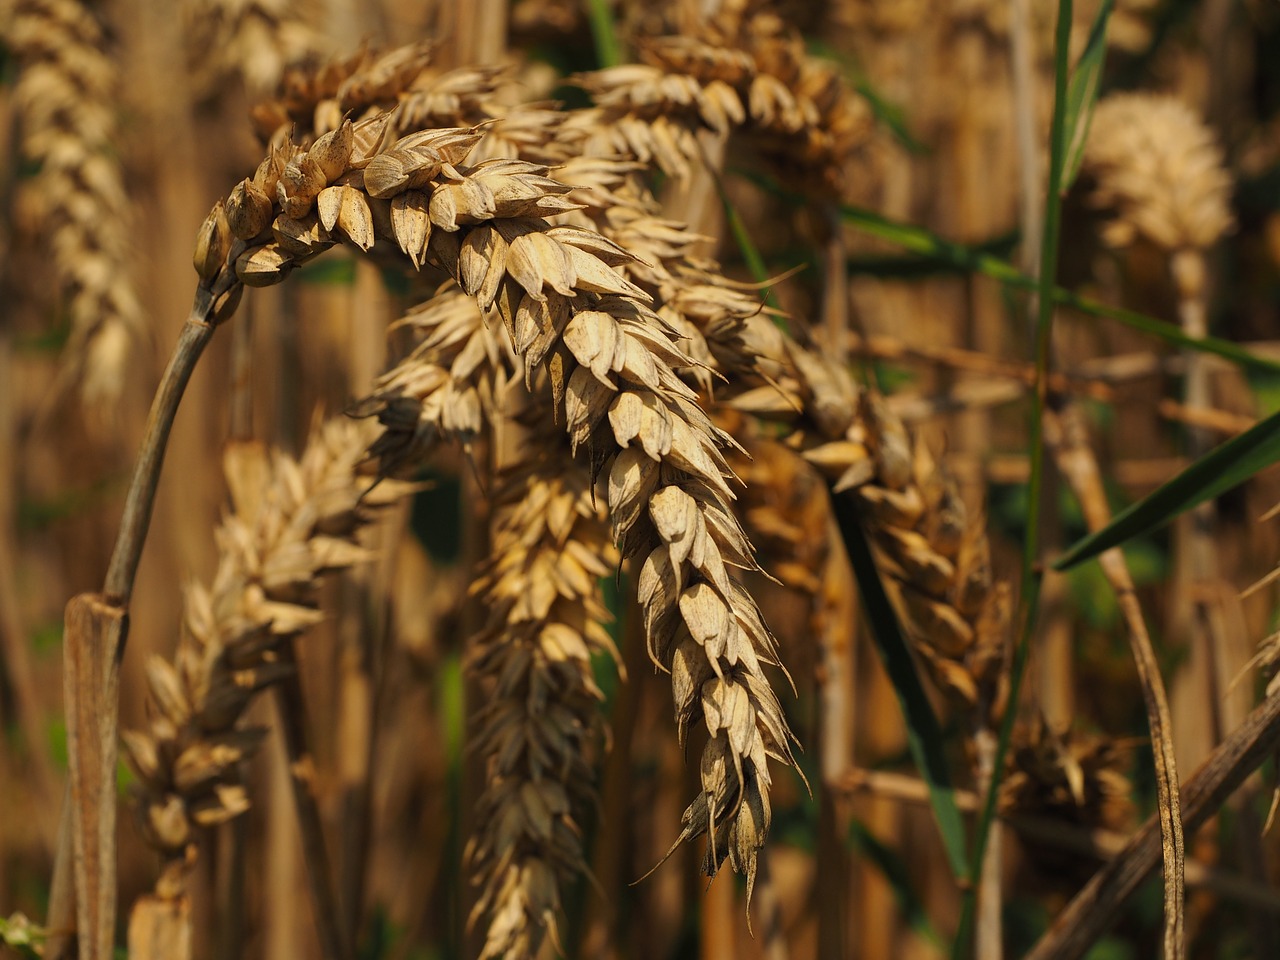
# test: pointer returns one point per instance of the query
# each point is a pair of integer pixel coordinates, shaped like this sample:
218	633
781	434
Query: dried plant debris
290	523
1158	172
66	101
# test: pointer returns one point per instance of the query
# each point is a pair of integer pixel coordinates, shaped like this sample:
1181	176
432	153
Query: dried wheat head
290	522
1158	172
65	95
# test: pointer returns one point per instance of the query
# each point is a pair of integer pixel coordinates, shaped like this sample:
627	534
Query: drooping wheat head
65	93
611	365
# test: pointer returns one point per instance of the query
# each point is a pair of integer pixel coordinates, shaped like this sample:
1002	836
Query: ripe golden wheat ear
290	522
610	361
748	75
66	99
546	620
1158	172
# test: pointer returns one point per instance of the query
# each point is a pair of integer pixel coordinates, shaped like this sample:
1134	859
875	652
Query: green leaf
604	33
924	734
1213	474
750	253
1082	95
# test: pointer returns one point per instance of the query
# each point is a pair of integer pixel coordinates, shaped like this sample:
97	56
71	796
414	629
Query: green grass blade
1029	594
604	33
924	734
1082	95
750	252
1213	474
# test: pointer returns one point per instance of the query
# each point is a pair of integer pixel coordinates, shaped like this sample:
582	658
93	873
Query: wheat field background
616	446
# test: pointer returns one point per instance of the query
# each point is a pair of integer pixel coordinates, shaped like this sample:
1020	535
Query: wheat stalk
65	94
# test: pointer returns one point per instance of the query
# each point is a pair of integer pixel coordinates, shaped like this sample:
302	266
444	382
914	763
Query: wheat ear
546	619
290	522
739	74
254	41
609	359
66	97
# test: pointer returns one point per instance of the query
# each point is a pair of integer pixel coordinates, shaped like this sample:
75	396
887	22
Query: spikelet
1158	172
290	522
611	364
444	389
545	622
65	96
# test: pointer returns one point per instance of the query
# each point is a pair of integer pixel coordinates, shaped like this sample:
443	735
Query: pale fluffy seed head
1158	171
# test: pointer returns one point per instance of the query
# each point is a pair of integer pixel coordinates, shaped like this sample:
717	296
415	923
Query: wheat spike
750	75
65	94
610	360
1159	172
546	620
290	522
